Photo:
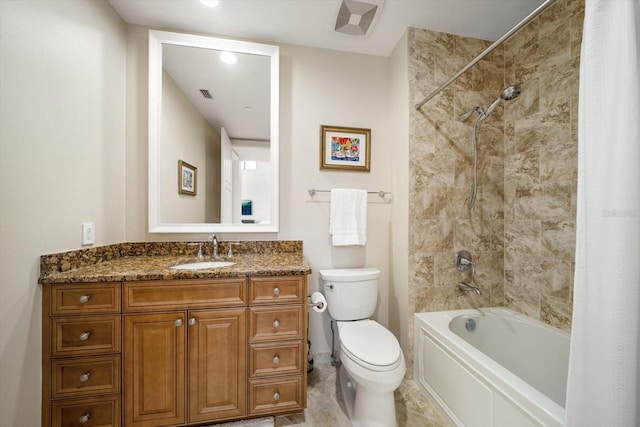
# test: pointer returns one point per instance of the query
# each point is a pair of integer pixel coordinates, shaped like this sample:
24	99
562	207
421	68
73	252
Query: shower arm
488	50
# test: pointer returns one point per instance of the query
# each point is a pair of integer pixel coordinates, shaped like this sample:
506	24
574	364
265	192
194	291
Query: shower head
508	93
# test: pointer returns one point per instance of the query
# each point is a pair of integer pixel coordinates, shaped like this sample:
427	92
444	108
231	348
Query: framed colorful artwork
345	148
187	178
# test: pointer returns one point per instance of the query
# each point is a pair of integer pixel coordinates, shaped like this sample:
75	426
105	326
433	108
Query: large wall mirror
213	135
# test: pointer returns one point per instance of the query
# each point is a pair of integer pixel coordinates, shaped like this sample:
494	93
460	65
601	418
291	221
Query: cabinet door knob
85	377
192	321
276	359
84	299
276	396
83	419
85	336
276	323
178	322
276	291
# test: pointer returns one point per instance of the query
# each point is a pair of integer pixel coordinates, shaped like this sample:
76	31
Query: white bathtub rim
546	411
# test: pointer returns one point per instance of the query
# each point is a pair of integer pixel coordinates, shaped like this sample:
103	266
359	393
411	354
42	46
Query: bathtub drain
470	324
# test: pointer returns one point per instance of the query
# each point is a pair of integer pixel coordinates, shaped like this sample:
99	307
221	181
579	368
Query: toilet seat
370	345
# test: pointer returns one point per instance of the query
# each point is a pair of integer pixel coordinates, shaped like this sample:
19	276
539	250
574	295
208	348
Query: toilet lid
370	342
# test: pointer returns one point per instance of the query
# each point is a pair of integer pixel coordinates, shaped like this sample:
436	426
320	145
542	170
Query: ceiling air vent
356	17
205	93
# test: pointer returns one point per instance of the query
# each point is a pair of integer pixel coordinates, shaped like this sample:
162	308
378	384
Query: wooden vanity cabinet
277	345
184	351
173	352
81	354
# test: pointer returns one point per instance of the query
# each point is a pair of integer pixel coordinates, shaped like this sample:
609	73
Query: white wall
187	136
399	105
322	87
62	157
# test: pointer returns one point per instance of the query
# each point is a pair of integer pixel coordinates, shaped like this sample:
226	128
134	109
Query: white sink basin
203	265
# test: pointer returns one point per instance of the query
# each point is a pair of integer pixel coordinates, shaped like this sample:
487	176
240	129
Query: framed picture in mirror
187	179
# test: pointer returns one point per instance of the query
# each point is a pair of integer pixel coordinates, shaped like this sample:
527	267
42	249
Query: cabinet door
154	377
217	368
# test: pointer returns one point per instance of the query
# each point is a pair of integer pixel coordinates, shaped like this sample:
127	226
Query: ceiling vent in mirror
355	17
205	93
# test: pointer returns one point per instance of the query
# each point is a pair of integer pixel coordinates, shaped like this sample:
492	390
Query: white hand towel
348	221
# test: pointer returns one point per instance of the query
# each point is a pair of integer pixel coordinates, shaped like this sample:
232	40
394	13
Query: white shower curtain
604	372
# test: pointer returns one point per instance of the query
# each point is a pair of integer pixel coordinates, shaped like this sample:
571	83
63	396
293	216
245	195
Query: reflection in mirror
213	104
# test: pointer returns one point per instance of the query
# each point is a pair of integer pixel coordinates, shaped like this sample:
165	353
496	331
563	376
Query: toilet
372	365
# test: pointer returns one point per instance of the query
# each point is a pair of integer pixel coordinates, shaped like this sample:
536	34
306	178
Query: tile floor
325	409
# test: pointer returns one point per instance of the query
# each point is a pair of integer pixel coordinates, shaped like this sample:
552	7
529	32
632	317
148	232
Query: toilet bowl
372	362
372	368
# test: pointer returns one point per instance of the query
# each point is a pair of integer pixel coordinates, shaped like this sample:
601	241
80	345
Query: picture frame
187	179
345	148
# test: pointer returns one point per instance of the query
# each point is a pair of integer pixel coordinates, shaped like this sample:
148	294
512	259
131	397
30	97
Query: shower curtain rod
488	50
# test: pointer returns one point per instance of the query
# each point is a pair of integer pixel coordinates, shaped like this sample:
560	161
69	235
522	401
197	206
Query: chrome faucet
469	288
214	243
199	245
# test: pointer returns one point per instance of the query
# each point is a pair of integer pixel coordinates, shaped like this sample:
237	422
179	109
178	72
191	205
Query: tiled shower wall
521	231
541	164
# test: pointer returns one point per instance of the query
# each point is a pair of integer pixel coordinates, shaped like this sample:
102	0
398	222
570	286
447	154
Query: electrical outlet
88	233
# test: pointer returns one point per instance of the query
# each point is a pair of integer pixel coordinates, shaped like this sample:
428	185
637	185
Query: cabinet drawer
85	335
184	294
102	412
274	290
85	298
85	376
272	396
282	358
275	323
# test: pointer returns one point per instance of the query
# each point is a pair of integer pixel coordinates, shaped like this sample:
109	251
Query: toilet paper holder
319	304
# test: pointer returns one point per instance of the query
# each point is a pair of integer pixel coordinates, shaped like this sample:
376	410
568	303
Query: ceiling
311	22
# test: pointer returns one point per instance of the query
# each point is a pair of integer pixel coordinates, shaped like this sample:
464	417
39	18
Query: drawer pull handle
85	336
85	377
178	322
276	359
192	321
276	323
84	299
276	396
83	419
276	291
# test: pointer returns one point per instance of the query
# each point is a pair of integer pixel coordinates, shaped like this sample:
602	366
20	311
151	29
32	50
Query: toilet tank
351	293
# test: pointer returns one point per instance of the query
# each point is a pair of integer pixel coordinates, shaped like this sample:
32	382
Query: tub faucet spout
469	288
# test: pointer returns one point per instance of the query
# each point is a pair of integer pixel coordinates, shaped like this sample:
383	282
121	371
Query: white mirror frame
156	40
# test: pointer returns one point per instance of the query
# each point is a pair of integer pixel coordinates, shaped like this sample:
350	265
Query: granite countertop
127	267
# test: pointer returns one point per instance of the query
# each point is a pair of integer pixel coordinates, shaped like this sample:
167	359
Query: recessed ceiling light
210	3
228	57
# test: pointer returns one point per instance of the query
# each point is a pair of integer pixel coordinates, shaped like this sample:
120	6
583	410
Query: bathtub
510	370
